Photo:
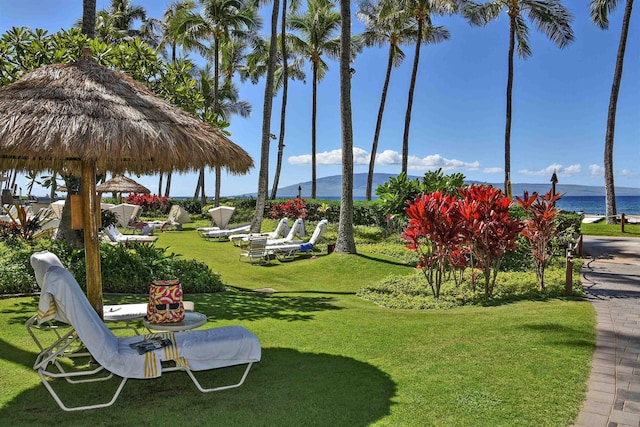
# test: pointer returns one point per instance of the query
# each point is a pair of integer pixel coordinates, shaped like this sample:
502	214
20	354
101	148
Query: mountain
330	187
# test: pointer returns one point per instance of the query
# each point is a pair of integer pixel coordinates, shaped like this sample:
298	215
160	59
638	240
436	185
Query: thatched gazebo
122	184
88	119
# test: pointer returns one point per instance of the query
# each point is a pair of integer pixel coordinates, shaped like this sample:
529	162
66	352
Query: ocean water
629	205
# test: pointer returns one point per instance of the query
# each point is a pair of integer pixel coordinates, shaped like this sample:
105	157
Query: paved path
611	277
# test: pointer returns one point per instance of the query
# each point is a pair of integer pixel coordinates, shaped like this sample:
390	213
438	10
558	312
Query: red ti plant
540	228
296	208
434	233
487	228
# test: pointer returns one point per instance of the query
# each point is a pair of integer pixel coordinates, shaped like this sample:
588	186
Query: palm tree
549	16
255	68
600	16
175	27
422	10
263	175
221	18
346	242
317	27
385	24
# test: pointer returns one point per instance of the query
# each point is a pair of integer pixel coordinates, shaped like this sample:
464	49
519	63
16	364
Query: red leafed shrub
540	228
150	203
295	208
434	232
488	228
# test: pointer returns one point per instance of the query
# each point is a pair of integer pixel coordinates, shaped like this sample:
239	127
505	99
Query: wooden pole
622	220
90	212
569	273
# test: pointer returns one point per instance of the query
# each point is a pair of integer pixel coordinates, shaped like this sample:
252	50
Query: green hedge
125	268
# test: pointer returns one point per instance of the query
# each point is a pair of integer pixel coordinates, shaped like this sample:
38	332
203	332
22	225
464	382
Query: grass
614	230
333	359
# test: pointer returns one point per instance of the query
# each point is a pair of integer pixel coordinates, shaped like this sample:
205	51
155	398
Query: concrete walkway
611	277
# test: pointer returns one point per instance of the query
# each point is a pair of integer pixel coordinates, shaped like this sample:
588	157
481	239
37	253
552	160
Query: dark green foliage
125	268
108	218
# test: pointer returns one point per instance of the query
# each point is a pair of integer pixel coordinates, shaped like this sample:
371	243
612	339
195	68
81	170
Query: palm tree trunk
346	242
263	177
376	136
283	109
314	113
412	87
216	202
160	184
507	127
611	118
168	187
89	18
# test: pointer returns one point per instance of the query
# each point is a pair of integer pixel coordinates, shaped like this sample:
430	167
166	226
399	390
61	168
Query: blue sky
560	101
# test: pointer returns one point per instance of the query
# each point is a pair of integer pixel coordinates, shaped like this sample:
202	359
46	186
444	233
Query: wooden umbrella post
91	208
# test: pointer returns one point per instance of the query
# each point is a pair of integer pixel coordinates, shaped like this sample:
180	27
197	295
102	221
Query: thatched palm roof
84	111
122	184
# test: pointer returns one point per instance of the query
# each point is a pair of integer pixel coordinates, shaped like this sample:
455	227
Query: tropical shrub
193	206
540	228
152	205
295	208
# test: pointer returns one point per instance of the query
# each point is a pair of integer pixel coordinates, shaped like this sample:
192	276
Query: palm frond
482	14
552	19
600	10
522	36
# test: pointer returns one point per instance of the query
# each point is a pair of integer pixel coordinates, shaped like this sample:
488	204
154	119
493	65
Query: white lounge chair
62	299
126	213
287	252
296	230
226	233
115	236
282	229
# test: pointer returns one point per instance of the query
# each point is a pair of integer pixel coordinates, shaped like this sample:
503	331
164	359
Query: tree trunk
611	118
263	178
314	113
73	237
89	18
507	127
376	136
168	187
283	109
346	242
412	87
160	184
216	202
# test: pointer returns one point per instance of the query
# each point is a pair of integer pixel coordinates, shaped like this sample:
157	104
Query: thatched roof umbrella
121	184
85	118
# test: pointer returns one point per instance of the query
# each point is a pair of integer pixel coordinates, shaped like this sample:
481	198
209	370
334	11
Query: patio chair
116	237
288	252
296	230
225	233
282	229
127	357
256	252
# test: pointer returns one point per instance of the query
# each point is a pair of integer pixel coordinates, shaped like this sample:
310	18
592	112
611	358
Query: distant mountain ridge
330	187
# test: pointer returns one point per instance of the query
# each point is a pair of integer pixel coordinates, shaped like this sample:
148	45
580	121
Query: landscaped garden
347	339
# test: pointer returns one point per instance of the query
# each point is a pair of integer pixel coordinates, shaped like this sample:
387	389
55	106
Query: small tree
540	228
488	228
434	232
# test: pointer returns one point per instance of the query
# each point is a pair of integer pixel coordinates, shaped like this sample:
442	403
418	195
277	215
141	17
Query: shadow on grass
385	261
287	388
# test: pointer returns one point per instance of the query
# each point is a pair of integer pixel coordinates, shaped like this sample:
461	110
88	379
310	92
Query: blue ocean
629	205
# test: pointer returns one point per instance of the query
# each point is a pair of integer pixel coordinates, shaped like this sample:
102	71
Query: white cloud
333	157
389	157
596	170
558	168
627	172
493	170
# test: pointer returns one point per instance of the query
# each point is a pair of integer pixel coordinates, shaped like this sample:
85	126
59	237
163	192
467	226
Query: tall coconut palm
549	17
175	28
221	18
89	18
263	175
600	16
289	69
422	11
316	28
346	242
386	23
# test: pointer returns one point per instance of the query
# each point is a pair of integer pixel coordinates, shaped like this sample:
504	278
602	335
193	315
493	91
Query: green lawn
332	359
604	229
